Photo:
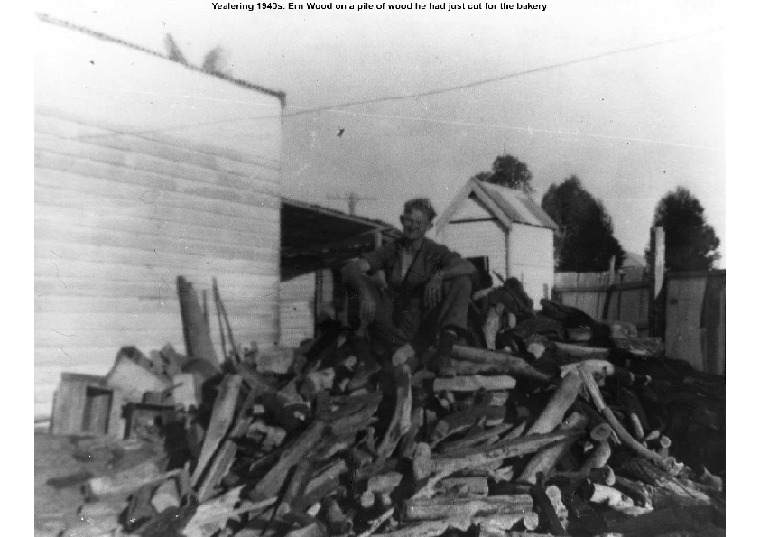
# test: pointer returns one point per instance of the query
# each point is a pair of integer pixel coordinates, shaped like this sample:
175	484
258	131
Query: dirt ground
67	461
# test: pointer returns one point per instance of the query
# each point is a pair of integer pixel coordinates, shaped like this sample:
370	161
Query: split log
600	432
195	325
401	421
323	482
484	437
353	422
293	453
221	418
218	469
269	437
668	490
444	466
514	365
488	523
493	324
463	486
558	405
422	461
376	523
166	496
547	509
457	422
580	351
473	383
545	460
506	448
636	490
604	495
444	507
131	380
384	483
299	479
128	481
598	457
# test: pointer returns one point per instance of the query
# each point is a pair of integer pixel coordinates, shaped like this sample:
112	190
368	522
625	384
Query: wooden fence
694	308
619	296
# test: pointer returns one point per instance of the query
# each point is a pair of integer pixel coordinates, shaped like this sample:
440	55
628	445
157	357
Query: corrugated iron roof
517	205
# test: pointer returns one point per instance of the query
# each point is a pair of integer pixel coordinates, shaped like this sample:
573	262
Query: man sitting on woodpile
426	291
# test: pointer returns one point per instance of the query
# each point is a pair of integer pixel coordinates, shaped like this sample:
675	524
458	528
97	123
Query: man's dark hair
421	204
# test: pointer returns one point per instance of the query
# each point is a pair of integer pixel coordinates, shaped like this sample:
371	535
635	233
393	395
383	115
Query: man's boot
442	362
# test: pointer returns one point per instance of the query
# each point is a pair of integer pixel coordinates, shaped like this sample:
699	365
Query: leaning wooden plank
401	421
299	448
218	469
513	365
221	418
194	324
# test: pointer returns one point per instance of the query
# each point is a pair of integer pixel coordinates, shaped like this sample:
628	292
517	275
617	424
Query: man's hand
434	290
367	308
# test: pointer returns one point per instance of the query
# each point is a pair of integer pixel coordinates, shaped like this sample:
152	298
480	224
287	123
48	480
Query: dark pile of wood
574	427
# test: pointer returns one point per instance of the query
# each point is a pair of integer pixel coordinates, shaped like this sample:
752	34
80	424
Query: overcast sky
627	95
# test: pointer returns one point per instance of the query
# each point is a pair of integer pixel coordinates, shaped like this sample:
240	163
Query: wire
499	78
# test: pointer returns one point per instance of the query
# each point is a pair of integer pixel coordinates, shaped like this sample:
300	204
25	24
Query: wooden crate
84	405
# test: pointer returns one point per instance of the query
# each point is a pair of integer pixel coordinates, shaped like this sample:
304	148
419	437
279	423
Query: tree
508	171
586	240
215	62
690	243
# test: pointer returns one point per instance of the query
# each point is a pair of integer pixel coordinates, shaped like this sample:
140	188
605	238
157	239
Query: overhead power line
499	78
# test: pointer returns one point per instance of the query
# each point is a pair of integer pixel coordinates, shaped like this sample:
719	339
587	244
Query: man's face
415	224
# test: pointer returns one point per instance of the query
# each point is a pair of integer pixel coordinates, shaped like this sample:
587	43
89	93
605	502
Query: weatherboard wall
477	239
524	252
124	203
531	259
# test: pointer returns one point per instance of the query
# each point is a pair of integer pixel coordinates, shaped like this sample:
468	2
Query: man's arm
457	267
453	267
354	275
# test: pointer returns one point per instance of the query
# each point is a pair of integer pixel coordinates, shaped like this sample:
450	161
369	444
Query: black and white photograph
386	268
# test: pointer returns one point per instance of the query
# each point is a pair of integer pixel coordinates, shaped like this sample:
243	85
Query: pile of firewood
572	427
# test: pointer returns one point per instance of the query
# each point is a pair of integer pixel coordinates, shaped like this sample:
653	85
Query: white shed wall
531	259
297	309
122	209
473	239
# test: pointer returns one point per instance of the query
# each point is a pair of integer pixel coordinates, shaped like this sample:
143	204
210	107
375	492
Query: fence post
657	278
611	271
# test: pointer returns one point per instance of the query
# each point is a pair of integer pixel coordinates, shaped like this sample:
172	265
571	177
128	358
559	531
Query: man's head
417	218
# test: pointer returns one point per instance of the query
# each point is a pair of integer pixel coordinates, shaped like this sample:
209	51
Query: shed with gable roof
502	231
